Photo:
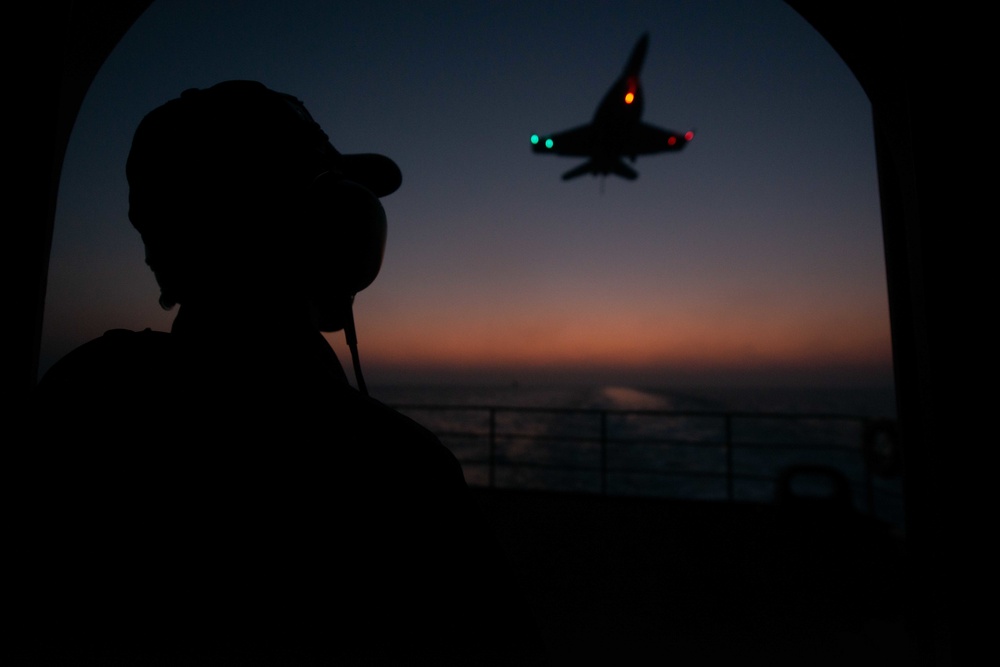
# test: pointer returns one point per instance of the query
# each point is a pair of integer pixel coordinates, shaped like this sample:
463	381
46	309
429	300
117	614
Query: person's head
239	195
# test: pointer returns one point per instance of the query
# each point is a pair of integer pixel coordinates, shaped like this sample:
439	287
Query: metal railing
698	454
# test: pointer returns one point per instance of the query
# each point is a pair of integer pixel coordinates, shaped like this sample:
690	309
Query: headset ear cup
347	233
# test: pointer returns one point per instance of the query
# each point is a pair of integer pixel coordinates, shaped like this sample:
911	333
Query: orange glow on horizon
628	344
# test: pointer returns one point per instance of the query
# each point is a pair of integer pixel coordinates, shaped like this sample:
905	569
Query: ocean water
707	444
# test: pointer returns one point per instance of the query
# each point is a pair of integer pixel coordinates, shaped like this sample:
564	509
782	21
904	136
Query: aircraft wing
578	141
645	139
648	139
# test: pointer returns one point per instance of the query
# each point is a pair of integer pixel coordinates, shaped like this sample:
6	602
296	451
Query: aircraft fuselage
616	119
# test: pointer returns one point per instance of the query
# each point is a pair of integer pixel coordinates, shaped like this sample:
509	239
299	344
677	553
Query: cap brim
376	172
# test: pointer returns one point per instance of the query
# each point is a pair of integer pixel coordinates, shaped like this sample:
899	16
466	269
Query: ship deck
615	580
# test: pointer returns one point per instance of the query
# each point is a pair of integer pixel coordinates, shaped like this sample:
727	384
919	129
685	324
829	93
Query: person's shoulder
392	436
380	416
121	360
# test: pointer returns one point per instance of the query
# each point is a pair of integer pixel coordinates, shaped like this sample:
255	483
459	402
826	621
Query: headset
351	262
350	227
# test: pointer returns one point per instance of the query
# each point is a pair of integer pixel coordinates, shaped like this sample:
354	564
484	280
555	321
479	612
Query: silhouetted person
220	494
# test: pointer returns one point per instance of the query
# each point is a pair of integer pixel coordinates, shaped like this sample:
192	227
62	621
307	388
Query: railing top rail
713	414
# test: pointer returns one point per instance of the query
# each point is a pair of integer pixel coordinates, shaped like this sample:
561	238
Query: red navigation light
689	135
672	140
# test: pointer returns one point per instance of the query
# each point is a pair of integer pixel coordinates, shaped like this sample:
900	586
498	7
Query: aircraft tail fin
638	56
617	167
585	168
624	171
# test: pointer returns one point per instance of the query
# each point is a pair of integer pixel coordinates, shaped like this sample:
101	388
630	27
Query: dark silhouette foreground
220	494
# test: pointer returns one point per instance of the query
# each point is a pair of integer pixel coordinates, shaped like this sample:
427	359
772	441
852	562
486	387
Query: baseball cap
238	130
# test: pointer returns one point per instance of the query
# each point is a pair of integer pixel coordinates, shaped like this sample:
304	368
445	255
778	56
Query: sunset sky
754	256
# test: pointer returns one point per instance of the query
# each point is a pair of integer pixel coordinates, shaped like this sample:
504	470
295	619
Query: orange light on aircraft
633	87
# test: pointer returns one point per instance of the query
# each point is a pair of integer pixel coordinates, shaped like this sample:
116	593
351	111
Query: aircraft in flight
616	131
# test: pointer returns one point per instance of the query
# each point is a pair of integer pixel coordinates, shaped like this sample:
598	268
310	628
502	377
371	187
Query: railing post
493	446
869	477
604	452
729	457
